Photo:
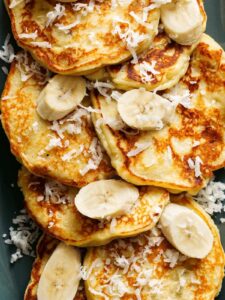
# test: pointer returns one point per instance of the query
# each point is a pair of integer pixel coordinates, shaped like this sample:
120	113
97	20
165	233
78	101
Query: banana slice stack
104	177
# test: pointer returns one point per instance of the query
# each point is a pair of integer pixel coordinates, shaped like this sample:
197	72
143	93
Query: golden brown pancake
51	205
148	267
183	155
168	59
66	150
45	248
86	36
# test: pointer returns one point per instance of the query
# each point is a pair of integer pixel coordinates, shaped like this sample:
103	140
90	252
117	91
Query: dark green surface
13	279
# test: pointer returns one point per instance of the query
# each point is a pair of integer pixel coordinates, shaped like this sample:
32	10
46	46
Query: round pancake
147	267
84	38
169	61
183	155
52	207
67	150
45	248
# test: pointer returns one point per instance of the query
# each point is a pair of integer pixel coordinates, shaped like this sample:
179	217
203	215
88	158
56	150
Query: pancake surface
51	205
67	150
45	248
147	267
77	42
182	155
168	60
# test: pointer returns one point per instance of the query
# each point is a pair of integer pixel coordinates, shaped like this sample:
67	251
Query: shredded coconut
211	198
140	147
67	28
72	153
84	8
7	53
41	44
130	38
55	14
31	35
29	68
145	69
179	95
56	193
95	151
23	235
195	165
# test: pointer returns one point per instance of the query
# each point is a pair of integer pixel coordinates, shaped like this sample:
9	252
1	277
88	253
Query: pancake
77	38
184	153
168	59
45	248
148	267
67	150
52	207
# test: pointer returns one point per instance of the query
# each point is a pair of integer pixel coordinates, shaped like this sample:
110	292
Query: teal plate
14	278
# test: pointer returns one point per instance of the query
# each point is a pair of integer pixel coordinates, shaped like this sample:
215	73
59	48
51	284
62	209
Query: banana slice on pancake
61	275
144	110
184	20
178	156
52	206
79	38
44	252
186	231
149	267
158	68
60	97
106	198
65	149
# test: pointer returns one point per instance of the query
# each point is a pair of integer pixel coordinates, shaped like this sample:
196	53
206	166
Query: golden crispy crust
29	135
73	228
170	59
74	51
208	272
202	122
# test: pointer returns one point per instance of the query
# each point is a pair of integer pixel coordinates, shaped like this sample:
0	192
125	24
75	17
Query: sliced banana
183	21
60	96
106	198
144	110
61	275
186	231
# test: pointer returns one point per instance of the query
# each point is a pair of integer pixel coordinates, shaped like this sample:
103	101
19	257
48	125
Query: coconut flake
30	35
95	151
73	153
23	235
55	14
7	53
41	44
211	198
140	147
195	165
145	69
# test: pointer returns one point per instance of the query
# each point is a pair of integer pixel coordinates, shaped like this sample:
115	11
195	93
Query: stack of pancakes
108	43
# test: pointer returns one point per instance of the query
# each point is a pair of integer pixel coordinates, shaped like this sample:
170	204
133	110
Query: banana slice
60	96
183	21
144	110
106	198
61	275
186	231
